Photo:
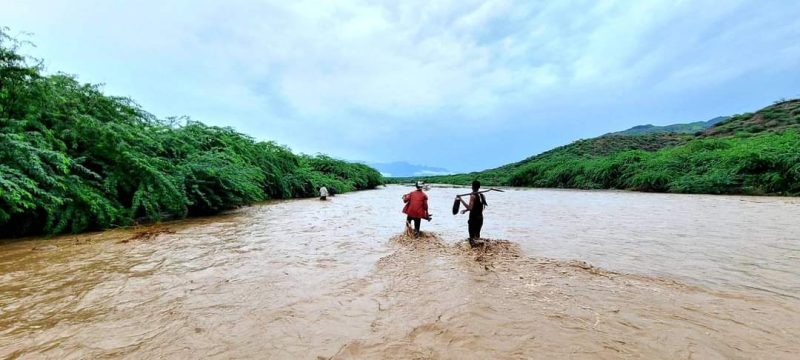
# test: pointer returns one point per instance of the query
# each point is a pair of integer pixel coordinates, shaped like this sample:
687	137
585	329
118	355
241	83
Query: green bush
74	159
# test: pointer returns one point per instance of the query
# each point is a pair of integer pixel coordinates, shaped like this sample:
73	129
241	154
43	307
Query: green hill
74	159
689	128
753	153
780	116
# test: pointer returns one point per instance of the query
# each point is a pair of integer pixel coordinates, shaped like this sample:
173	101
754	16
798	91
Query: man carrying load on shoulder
477	202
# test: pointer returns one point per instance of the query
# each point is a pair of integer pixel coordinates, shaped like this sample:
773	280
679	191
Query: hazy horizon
460	85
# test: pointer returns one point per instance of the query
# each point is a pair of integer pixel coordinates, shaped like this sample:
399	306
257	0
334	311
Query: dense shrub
74	159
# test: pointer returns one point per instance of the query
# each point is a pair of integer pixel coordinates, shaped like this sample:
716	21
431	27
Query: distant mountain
404	169
689	128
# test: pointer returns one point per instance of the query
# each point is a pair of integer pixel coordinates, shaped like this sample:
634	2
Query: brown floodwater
574	274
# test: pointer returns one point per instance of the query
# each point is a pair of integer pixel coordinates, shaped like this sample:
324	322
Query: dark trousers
475	224
416	223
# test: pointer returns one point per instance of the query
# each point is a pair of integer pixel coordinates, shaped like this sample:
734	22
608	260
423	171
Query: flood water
579	275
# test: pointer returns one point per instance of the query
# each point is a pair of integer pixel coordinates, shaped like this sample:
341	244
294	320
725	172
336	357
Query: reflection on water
585	275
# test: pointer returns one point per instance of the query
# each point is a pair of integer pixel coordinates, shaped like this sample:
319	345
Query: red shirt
416	204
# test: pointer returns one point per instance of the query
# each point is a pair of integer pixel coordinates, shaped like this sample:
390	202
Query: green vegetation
754	153
784	114
689	128
73	159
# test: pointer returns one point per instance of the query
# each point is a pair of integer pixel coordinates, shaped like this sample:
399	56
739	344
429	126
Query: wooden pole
481	192
457	202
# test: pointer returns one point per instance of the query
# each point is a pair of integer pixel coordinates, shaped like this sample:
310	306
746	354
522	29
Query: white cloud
351	77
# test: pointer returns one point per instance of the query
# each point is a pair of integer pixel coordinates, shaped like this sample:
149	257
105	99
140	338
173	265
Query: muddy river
571	274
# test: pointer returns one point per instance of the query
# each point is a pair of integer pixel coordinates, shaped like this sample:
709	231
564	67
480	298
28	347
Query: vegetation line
754	153
73	159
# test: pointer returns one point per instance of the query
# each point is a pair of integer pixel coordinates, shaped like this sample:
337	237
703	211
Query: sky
463	85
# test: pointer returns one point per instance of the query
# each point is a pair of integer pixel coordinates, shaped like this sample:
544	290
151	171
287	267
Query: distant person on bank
477	202
323	193
416	208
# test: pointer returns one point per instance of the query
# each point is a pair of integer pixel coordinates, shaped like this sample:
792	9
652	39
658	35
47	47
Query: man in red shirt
416	207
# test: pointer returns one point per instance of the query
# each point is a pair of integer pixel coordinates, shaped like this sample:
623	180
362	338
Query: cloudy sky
461	84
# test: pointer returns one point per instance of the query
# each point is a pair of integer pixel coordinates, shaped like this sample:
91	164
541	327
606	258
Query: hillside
689	128
74	159
753	153
777	117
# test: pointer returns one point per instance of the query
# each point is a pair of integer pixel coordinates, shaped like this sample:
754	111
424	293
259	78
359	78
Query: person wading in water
416	208
477	202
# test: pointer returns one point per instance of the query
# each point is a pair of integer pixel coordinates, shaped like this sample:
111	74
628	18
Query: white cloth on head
323	191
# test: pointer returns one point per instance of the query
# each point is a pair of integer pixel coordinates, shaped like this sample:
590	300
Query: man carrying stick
477	202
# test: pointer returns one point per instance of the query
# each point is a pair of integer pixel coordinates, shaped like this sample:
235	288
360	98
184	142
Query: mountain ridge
681	128
751	153
406	169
